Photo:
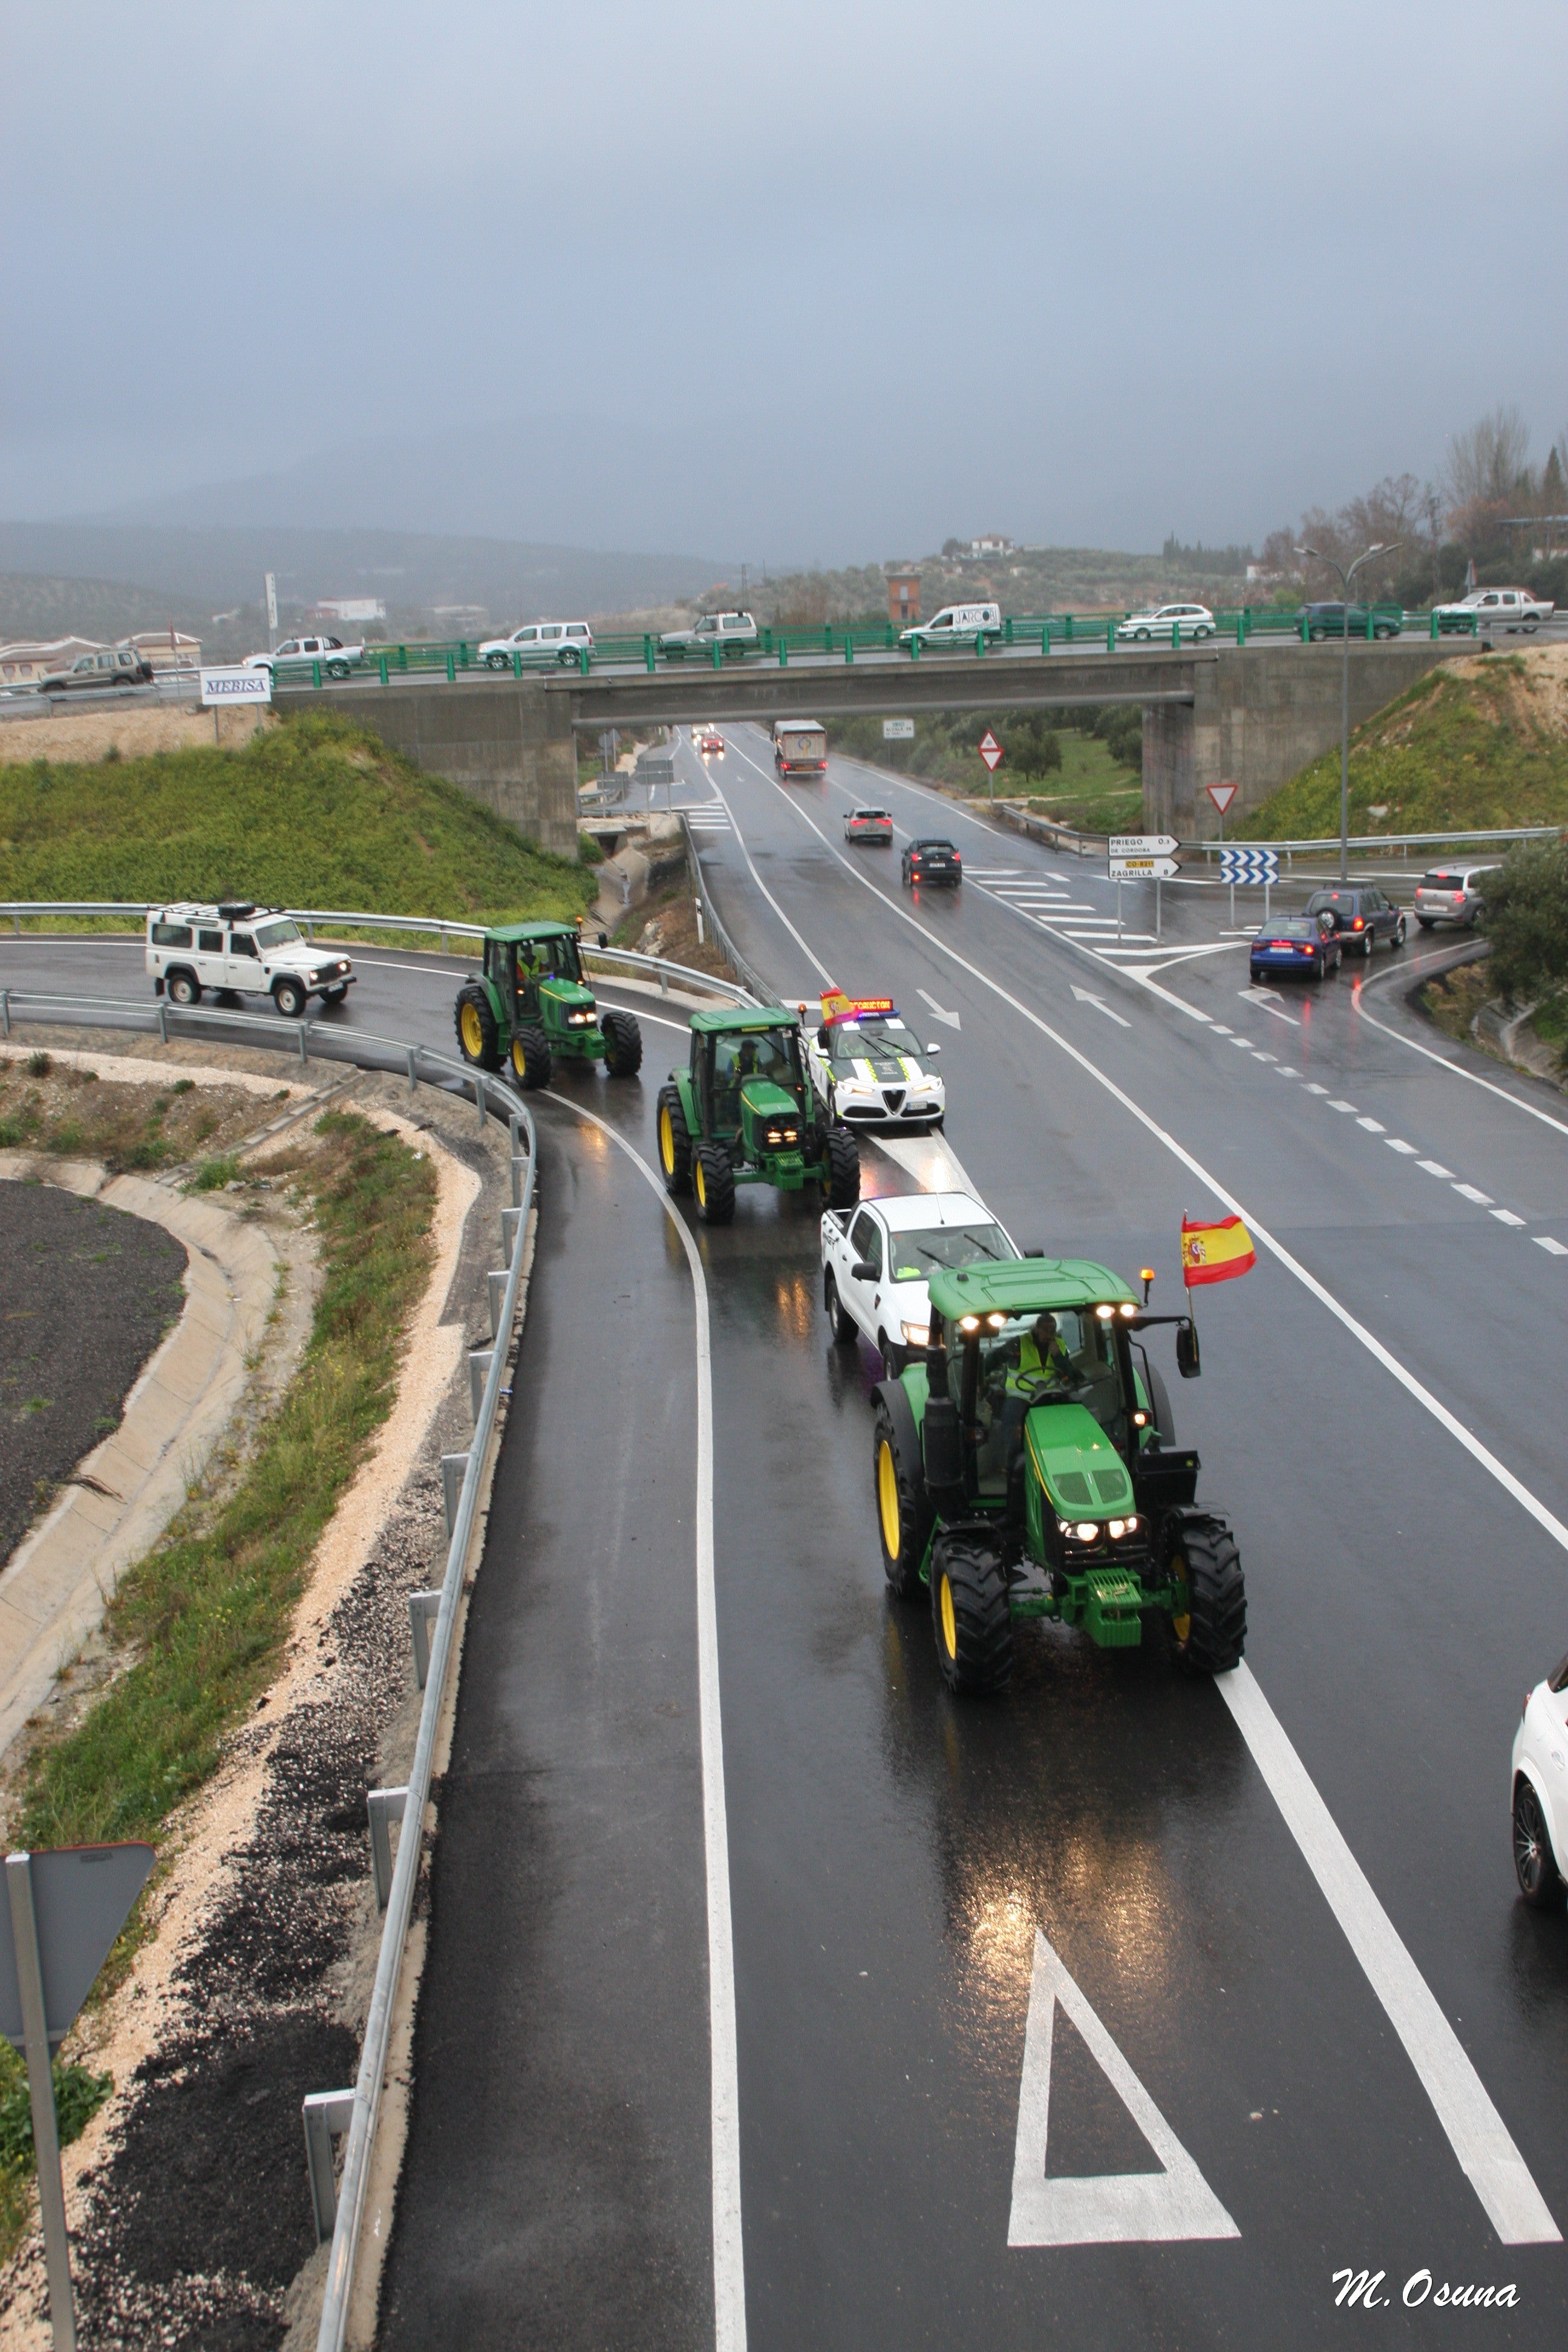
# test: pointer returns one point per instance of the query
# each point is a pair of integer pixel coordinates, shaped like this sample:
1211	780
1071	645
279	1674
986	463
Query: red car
869	825
710	742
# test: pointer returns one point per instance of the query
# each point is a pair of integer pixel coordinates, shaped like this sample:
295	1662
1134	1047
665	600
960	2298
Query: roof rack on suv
235	910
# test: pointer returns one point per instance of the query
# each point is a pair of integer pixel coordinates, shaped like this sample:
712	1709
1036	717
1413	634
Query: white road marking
1507	1217
724	2094
1372	1126
424	971
1260	996
937	1012
1343	1105
1546	1242
1433	1168
1117	2207
1099	1004
931	1160
1285	1071
1260	1055
817	964
1481	1454
1397	1143
1454	1068
1314	1089
1473	1192
1480	2137
1220	1031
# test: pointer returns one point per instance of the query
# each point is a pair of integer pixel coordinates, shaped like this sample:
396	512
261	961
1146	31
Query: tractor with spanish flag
1027	1467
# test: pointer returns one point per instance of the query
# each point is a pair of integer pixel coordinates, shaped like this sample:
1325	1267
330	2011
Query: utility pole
1345	578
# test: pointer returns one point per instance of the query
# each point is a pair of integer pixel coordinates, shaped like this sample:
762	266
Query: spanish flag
1215	1253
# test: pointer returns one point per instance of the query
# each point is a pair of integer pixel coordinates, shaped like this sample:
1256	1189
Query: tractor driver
1043	1358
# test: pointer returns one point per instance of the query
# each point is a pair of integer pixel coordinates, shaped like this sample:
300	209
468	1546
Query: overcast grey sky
814	282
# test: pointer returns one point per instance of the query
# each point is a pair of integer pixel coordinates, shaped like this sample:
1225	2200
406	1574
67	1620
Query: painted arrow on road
1100	1005
937	1014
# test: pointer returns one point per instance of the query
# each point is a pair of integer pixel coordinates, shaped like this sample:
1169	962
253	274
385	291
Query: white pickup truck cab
336	658
249	950
1498	608
877	1259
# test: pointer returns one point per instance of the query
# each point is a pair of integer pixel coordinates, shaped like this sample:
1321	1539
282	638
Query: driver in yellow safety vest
1042	1356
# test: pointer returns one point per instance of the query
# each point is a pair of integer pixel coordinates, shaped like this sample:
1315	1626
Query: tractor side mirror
934	1049
1189	1364
863	1270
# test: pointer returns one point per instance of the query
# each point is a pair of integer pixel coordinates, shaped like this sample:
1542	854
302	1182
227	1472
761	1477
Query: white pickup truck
877	1259
1496	608
336	658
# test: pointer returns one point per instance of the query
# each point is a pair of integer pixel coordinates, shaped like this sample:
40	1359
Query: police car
877	1259
250	950
866	1066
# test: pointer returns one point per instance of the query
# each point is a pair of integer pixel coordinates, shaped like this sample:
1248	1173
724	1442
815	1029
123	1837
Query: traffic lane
893	1854
557	2179
1322	1471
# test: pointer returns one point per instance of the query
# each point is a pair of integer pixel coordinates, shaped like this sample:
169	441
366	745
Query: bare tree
1487	466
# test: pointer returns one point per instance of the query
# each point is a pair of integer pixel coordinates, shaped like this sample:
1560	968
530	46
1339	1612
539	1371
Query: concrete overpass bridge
1249	715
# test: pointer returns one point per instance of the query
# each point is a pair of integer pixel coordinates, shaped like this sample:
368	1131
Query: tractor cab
539	968
751	1084
742	1113
531	1003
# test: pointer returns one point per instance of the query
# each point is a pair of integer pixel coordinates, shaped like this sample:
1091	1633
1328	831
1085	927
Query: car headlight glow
916	1335
313	977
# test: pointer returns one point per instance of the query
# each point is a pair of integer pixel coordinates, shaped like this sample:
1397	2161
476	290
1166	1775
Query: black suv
1360	915
935	863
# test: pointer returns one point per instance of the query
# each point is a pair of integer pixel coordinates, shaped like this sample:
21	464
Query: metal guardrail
760	993
1329	842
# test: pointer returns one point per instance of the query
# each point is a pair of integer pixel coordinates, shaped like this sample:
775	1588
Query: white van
956	625
238	946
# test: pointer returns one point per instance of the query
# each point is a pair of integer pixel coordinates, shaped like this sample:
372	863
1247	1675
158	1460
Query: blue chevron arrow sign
1249	866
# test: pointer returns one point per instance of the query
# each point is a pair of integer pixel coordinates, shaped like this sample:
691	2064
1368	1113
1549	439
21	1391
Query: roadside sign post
1222	796
1141	858
1249	866
66	1909
991	752
235	683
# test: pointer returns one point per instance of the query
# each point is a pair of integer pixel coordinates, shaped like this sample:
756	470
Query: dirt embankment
134	730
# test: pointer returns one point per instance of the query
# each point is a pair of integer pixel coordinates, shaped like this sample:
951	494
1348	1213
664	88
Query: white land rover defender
253	951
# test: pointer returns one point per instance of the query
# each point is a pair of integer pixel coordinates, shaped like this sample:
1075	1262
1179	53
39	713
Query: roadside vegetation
1480	741
1082	768
312	812
56	1108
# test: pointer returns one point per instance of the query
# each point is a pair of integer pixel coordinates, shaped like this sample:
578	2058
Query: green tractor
744	1113
532	1002
1027	1467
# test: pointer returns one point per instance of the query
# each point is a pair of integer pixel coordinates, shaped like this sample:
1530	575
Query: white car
956	624
251	950
867	1068
1497	608
721	632
1538	1792
1167	623
877	1259
336	658
539	641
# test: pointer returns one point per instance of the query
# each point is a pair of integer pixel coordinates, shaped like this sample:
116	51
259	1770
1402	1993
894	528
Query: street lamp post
1345	578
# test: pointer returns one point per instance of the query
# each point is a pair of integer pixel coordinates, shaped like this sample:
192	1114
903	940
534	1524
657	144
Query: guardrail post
162	1023
451	668
385	1806
479	1098
495	1282
849	646
664	983
304	1044
381	665
519	1166
510	1221
315	673
914	648
412	1077
454	1470
422	1608
1109	634
784	653
327	2113
479	1362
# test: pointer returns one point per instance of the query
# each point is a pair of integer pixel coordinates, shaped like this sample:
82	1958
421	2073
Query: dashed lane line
1475	2131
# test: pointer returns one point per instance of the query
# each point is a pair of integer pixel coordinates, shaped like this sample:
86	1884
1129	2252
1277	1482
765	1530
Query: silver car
1452	894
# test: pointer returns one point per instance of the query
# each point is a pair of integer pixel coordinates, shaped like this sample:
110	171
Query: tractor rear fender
497	1004
894	1398
682	1081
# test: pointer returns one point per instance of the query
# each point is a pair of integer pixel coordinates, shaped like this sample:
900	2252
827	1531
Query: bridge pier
507	742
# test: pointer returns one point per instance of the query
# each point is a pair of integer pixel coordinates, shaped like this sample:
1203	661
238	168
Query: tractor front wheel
1208	1633
713	1181
477	1039
843	1155
969	1613
903	1509
674	1144
530	1059
622	1044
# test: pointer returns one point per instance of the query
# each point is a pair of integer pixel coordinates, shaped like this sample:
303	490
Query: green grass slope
313	811
1480	741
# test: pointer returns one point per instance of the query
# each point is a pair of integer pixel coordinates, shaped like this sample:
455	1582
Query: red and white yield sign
990	750
1222	795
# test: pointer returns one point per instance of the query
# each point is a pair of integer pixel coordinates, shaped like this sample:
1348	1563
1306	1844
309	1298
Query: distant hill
34	605
211	568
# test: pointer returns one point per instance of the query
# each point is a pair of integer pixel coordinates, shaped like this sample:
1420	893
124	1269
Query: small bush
1527	920
39	1066
214	1174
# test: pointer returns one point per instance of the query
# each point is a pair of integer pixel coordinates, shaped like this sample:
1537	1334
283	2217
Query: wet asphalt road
893	1854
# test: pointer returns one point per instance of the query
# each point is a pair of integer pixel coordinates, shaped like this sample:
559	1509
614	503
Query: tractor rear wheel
531	1058
713	1181
1209	1635
903	1508
477	1039
843	1168
969	1613
622	1044
674	1144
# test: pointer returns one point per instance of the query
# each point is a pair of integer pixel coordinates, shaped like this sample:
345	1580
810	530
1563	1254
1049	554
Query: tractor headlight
1087	1531
777	1134
916	1335
579	1021
1117	1529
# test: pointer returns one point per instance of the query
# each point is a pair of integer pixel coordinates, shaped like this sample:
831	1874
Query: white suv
1167	622
732	633
252	951
540	641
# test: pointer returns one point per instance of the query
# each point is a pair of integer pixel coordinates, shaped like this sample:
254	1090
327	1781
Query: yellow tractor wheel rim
473	1032
1181	1617
888	1500
702	1188
518	1058
666	1141
948	1622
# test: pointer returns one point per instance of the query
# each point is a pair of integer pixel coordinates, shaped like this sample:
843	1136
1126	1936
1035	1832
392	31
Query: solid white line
1482	1455
1453	1068
816	965
729	2264
1480	2137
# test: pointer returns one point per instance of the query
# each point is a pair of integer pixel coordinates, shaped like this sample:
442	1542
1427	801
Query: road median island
253	1679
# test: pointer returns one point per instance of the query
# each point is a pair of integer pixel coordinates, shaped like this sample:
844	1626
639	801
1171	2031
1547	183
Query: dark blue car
1299	944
